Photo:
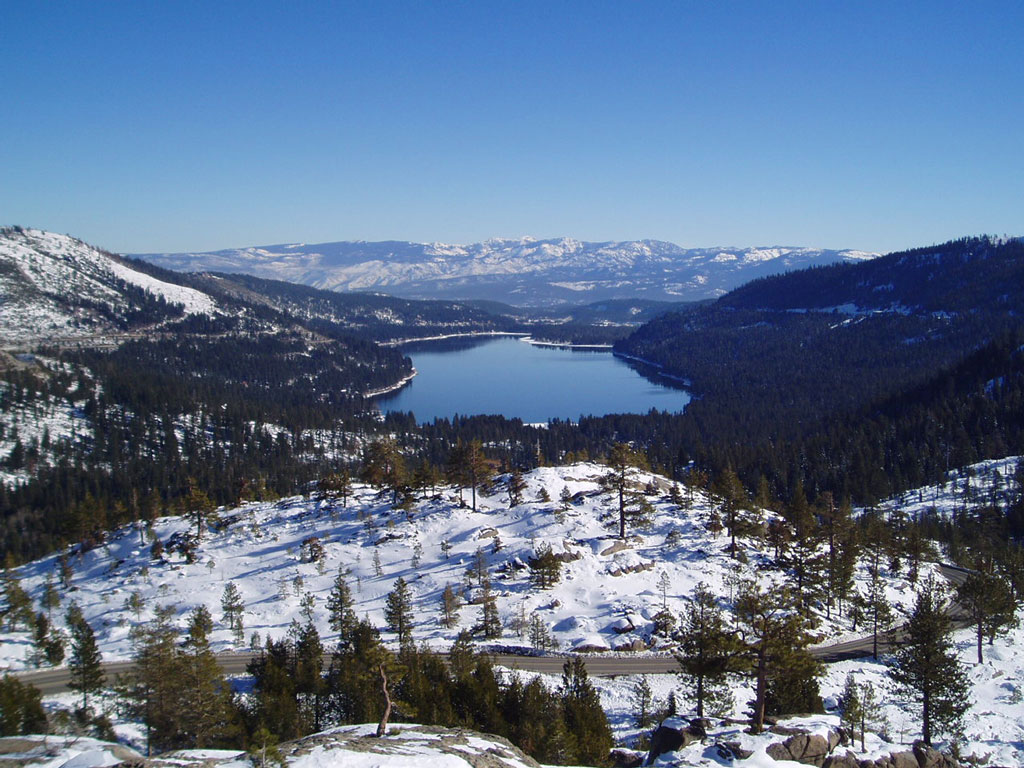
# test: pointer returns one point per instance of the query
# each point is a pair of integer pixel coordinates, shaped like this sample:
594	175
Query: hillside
523	272
605	598
786	365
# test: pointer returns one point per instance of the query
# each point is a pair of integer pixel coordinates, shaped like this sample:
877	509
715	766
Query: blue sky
145	126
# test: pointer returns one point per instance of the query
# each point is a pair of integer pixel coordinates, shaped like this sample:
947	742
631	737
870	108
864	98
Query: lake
506	376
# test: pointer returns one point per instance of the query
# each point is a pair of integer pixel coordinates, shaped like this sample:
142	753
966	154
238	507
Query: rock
627	758
618	546
811	749
634	645
731	750
670	736
834	739
487	533
845	760
929	757
903	760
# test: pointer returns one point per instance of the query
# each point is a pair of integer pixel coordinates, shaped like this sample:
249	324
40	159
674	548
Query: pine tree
341	615
233	608
149	690
643	702
85	673
398	611
545	568
516	486
450	604
586	725
17	608
988	602
735	506
623	462
21	708
774	634
928	669
200	509
207	714
490	622
708	650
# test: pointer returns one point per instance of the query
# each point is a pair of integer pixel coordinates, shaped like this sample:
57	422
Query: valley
212	459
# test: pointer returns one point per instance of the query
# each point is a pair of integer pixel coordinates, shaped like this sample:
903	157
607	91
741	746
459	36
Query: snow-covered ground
606	586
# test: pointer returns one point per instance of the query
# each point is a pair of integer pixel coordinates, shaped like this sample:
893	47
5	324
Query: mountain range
523	272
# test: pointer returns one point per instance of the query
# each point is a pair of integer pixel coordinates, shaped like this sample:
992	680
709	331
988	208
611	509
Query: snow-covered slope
607	598
260	549
524	272
56	287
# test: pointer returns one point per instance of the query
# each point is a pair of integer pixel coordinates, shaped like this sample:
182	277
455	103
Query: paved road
50	681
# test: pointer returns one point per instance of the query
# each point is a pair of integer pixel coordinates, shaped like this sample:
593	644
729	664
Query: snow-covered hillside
608	595
56	287
524	272
606	599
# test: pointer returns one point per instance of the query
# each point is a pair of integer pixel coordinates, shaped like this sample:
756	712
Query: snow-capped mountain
523	272
55	287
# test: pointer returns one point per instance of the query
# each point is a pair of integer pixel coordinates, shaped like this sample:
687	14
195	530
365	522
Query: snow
43	270
194	302
609	587
571	267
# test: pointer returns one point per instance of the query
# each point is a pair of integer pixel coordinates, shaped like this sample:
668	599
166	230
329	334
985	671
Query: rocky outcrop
817	750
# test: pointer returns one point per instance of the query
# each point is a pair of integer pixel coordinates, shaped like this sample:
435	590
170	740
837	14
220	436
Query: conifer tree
21	708
734	507
341	615
491	620
200	509
708	650
450	604
17	609
623	462
85	673
233	608
149	690
586	725
988	602
927	667
398	611
545	568
773	632
516	486
207	715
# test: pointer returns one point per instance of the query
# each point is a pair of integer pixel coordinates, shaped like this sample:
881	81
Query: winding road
50	681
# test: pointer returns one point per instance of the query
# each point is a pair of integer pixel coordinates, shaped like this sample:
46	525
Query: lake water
510	377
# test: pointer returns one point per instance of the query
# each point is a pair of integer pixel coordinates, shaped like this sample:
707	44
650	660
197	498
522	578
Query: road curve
50	681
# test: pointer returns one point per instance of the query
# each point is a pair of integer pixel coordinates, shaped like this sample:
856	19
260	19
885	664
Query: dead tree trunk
382	726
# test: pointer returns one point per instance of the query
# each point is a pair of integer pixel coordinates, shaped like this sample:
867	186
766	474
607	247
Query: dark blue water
512	378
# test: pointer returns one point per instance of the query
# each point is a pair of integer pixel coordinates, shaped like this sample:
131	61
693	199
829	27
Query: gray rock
845	760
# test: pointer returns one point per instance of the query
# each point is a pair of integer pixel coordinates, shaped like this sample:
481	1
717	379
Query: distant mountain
524	272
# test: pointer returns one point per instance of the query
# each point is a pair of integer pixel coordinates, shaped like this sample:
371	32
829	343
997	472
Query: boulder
929	757
671	736
627	758
903	760
845	760
810	749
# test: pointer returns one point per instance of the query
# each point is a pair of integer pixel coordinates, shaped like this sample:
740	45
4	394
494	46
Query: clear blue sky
146	126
